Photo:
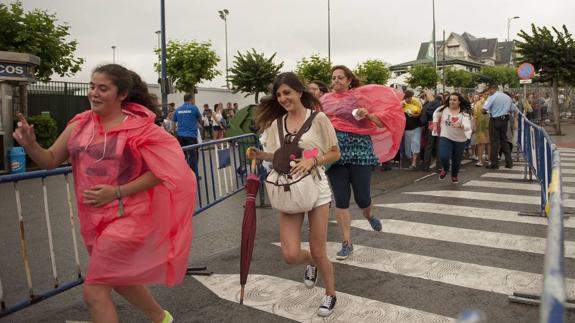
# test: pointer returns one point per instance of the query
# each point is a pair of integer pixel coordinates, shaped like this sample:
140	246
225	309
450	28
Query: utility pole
328	32
224	15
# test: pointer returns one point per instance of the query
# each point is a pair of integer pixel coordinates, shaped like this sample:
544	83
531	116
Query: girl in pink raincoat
135	212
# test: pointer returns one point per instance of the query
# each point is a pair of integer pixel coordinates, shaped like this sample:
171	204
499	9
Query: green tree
189	63
252	73
553	57
500	75
373	71
423	75
315	68
458	78
38	33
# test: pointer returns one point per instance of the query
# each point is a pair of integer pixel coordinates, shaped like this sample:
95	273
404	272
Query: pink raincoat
381	101
150	243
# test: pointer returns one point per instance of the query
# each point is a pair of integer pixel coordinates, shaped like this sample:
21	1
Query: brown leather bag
281	161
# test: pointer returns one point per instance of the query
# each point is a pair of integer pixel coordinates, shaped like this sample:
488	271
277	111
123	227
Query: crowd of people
135	212
213	122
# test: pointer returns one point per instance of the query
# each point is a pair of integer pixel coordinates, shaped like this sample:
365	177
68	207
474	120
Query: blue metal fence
222	170
543	157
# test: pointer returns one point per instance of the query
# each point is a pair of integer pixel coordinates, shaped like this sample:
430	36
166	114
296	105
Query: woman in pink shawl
369	124
135	213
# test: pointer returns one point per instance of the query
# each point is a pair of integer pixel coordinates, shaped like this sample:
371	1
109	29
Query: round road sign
526	71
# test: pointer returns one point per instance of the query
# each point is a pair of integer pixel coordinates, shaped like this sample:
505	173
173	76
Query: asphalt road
444	248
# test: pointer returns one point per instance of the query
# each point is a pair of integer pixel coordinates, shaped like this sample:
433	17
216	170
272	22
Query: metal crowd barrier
542	156
222	171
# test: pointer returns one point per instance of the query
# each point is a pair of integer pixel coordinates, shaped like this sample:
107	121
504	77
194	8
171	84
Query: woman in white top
453	125
290	99
218	128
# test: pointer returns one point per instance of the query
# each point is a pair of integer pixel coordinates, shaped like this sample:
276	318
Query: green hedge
45	128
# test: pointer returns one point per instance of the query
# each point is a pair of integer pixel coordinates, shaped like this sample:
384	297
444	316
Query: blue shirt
186	118
498	104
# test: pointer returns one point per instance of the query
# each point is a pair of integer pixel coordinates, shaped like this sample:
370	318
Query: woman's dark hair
321	85
129	82
464	105
269	108
354	81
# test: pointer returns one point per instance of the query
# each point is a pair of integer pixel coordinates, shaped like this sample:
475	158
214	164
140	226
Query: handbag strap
304	128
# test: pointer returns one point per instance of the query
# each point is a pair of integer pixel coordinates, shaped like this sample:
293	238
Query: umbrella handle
242	294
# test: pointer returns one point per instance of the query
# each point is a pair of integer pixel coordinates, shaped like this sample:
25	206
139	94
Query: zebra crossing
491	198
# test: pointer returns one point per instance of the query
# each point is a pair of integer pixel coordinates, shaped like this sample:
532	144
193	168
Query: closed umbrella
248	229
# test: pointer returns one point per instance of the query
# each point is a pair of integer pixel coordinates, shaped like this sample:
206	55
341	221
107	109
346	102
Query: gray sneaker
346	250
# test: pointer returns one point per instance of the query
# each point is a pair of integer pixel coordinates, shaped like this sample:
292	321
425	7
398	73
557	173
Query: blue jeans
451	150
341	177
412	142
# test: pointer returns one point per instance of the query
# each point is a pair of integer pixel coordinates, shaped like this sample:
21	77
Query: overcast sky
390	30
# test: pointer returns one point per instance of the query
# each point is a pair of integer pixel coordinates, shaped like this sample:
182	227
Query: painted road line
480	238
505	185
568	159
469	212
566	164
565	179
491	197
567	171
468	275
290	299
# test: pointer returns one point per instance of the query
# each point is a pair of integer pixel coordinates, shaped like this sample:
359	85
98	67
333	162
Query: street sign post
525	71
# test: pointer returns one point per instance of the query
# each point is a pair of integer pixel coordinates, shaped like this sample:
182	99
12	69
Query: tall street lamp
224	15
328	32
113	54
159	34
509	27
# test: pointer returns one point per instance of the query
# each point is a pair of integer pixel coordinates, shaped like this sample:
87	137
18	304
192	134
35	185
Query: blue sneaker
375	223
346	250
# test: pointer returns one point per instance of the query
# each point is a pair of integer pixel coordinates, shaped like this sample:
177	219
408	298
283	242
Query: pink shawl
382	101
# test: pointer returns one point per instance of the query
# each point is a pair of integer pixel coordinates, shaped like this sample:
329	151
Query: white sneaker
327	305
310	276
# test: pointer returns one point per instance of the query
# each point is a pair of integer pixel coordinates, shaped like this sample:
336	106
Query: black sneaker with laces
310	276
327	305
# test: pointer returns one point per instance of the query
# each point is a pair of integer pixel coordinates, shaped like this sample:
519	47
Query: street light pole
159	34
508	28
164	78
113	54
224	15
328	32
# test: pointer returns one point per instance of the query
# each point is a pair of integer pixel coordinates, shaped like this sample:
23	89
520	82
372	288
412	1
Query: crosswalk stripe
468	275
568	159
567	171
290	299
564	179
470	212
566	164
480	238
505	185
492	197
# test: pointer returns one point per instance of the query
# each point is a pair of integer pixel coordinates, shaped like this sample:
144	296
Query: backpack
288	193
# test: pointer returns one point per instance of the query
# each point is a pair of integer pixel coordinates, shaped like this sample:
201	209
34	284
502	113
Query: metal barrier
222	170
542	156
